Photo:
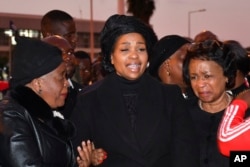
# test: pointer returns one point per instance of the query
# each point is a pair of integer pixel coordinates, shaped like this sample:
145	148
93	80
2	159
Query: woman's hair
118	25
241	56
212	50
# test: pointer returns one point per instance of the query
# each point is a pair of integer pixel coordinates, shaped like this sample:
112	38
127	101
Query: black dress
206	125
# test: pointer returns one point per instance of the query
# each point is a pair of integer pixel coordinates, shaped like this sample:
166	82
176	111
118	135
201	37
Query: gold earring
167	66
39	90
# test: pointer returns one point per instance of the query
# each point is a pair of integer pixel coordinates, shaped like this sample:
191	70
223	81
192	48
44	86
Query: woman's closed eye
124	50
141	49
204	77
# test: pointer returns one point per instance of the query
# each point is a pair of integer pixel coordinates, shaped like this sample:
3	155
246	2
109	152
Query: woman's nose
134	54
66	83
201	82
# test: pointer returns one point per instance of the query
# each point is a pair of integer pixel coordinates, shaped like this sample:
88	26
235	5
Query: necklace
229	99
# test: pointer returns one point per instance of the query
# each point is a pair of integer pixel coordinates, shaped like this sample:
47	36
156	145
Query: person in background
32	132
248	54
57	22
98	73
210	69
243	66
233	134
166	62
205	35
68	56
83	68
134	118
248	50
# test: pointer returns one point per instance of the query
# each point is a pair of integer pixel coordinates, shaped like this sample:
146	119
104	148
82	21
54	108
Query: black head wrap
164	49
31	59
117	25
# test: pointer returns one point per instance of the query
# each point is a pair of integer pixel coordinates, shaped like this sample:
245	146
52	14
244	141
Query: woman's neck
218	105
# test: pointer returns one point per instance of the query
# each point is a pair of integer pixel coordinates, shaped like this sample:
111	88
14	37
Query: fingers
93	146
98	156
84	153
88	146
81	163
89	155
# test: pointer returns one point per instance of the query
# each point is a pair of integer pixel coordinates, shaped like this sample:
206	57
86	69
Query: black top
206	125
162	133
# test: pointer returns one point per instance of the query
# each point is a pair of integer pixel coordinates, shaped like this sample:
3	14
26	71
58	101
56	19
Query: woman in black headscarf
32	132
137	120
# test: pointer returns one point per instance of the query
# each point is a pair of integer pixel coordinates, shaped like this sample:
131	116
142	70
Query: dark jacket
30	135
163	135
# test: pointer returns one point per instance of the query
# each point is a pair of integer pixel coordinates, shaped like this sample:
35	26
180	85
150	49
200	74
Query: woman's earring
147	64
167	67
246	82
39	90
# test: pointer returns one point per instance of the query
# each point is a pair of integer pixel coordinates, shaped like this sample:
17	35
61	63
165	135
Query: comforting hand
98	156
85	152
89	155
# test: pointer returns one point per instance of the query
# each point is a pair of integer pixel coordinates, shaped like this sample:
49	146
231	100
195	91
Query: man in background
57	22
83	73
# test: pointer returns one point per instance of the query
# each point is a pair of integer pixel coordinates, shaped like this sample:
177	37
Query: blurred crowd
141	102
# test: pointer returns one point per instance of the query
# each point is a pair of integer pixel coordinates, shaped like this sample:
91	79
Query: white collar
70	83
57	114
